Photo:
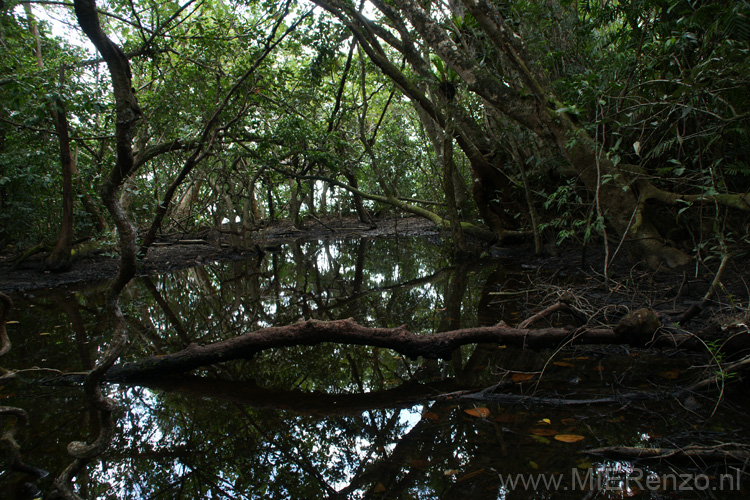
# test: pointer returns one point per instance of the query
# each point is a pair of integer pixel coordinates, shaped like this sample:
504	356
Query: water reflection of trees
323	421
292	422
301	422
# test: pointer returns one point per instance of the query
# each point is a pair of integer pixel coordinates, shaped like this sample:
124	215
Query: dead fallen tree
725	452
399	339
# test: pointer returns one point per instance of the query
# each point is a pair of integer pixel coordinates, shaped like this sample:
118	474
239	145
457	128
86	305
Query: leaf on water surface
545	421
45	333
563	363
14	322
569	438
543	432
429	415
568	421
379	488
522	377
618	419
533	465
450	472
478	412
540	439
418	463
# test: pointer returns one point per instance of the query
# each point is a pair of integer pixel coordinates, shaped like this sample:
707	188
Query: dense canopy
618	122
555	119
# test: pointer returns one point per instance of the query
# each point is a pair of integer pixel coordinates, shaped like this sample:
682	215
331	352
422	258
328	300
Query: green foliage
660	82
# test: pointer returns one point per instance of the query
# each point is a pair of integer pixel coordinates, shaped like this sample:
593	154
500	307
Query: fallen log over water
399	339
725	452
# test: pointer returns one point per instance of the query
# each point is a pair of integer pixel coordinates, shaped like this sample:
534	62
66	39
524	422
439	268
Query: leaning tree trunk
536	108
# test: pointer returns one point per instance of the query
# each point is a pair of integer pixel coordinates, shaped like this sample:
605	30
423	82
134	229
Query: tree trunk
60	258
362	213
294	203
531	108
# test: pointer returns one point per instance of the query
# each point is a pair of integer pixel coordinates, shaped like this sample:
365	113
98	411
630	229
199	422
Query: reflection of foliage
305	422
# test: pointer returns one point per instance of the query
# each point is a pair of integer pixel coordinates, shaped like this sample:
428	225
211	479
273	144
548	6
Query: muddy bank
631	284
179	250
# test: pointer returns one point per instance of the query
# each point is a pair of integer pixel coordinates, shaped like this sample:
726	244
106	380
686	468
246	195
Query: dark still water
340	421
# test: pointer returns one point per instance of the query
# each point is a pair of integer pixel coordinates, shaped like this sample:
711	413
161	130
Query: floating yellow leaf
616	420
545	421
543	432
45	333
569	438
430	415
533	465
562	363
450	472
584	465
379	488
478	412
14	322
522	377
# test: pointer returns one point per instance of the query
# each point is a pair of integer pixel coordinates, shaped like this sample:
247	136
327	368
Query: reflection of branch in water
312	403
168	312
5	306
388	288
11	454
293	455
420	441
83	452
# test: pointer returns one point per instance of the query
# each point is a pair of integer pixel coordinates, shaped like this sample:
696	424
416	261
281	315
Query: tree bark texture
127	115
399	339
